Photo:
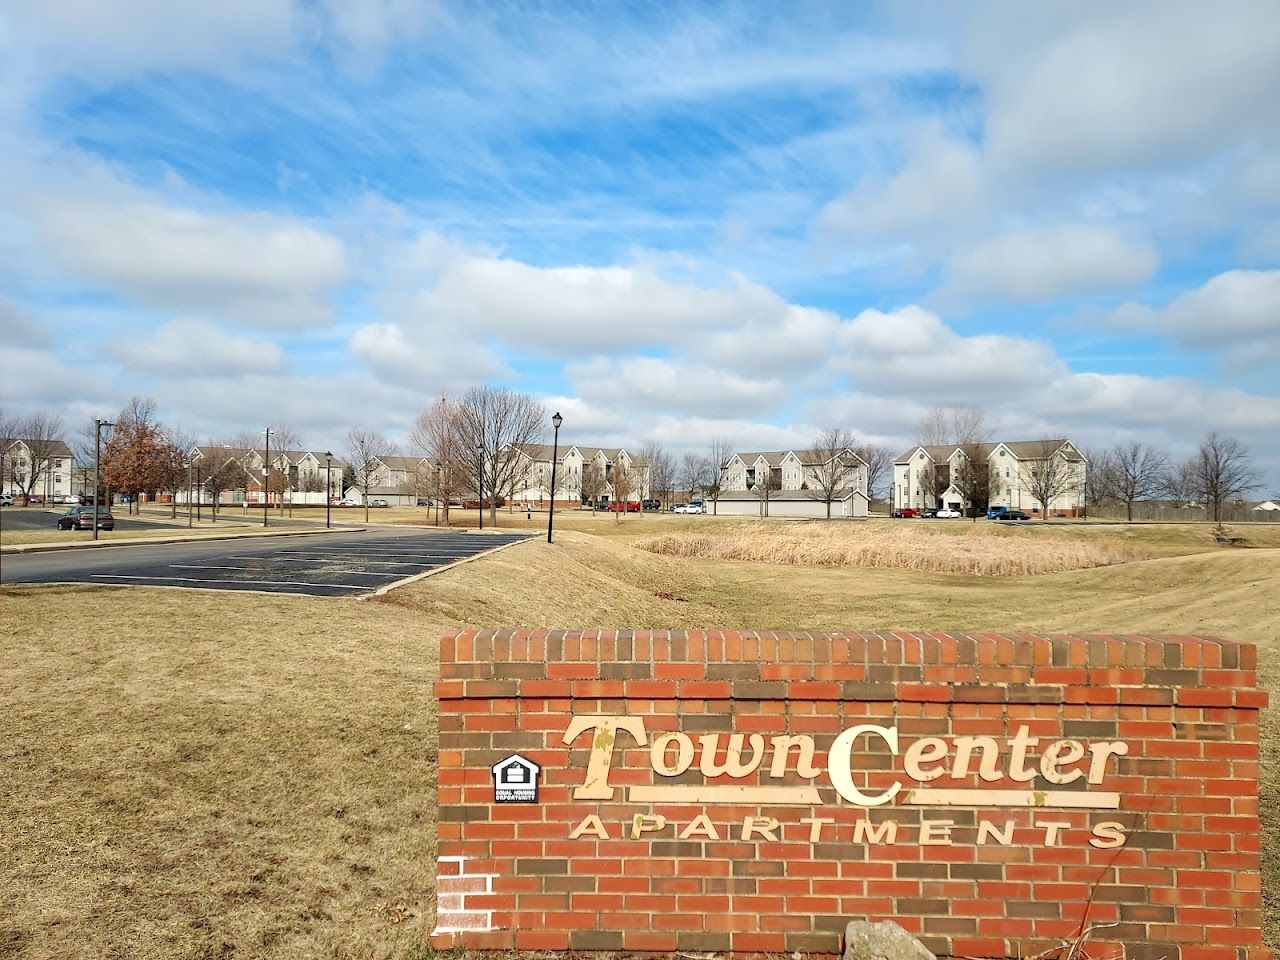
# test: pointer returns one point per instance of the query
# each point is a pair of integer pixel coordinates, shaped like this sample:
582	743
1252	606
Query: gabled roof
401	463
772	457
543	451
55	448
1021	449
211	450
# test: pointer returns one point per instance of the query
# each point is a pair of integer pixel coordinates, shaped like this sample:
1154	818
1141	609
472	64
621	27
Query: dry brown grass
218	775
976	550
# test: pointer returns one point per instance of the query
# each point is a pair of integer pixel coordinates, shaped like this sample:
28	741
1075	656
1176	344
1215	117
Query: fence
1231	513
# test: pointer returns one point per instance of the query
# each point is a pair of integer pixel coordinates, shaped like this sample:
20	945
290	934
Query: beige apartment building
926	476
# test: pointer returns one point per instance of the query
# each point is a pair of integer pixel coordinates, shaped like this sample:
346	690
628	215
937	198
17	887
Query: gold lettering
1107	836
925	750
590	824
936	833
765	826
987	830
1058	755
815	826
804	762
596	785
684	754
700	826
839	764
864	831
1022	741
1098	757
733	765
1052	829
643	823
987	769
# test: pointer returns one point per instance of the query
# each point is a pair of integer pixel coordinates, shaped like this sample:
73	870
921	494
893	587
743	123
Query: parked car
81	518
35	499
1015	515
72	498
946	513
630	506
696	508
929	512
997	513
652	504
346	502
379	503
680	508
6	499
906	513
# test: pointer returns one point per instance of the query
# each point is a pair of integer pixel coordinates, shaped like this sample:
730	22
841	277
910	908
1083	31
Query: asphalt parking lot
323	565
46	518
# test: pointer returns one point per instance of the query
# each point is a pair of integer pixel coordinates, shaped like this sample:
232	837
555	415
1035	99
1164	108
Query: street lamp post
328	487
199	492
480	480
97	467
555	453
266	474
187	464
439	477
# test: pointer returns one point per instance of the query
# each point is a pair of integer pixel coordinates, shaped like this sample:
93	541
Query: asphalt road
39	518
322	565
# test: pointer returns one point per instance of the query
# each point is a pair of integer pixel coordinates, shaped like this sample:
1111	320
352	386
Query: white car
946	514
695	508
681	508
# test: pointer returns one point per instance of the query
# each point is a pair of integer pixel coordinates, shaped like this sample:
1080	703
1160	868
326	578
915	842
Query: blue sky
672	222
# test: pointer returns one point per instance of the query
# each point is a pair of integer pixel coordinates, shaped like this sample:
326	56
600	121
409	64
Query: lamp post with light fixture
328	487
266	474
97	467
555	453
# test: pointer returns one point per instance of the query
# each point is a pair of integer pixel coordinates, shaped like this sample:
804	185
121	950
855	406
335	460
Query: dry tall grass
980	551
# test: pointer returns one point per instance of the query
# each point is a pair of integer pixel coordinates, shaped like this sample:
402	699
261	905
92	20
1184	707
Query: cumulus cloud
19	330
437	362
1238	311
259	268
1098	86
655	384
189	346
1042	263
941	185
911	352
31	378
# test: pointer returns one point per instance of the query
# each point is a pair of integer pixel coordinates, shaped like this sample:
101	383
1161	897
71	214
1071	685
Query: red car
631	506
906	512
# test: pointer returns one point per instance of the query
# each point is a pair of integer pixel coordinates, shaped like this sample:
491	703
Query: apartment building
1017	472
793	483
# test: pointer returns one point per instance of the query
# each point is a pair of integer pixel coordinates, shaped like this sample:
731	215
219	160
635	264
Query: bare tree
627	482
661	471
219	471
879	461
834	468
492	423
176	446
946	425
1099	479
767	481
1046	475
972	476
695	468
42	436
364	448
933	479
285	442
11	428
437	434
1134	472
1179	483
593	484
1222	469
720	452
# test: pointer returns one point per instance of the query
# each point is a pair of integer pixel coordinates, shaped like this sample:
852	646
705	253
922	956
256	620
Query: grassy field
216	775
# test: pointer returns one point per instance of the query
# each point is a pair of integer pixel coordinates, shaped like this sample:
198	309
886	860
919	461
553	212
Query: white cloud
39	377
188	346
1096	85
1238	310
940	186
1042	263
259	268
911	352
434	363
648	384
17	329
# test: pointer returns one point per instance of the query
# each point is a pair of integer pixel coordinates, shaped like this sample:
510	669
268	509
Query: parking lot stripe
271	583
337	559
214	566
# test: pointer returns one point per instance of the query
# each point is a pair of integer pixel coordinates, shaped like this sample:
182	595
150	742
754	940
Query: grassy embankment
213	775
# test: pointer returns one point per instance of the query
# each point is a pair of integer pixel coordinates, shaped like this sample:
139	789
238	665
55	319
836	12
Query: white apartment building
610	467
796	481
42	468
925	475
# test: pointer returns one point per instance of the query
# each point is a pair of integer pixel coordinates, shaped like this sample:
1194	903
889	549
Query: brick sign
753	792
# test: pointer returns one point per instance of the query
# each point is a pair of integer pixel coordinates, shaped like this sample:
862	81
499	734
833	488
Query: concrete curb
383	591
21	548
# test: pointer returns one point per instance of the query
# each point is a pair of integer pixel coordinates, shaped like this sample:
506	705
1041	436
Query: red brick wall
1185	884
